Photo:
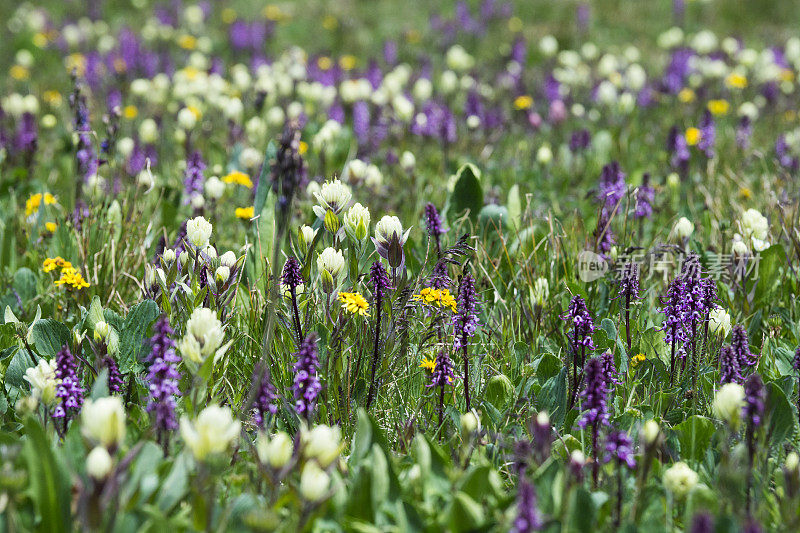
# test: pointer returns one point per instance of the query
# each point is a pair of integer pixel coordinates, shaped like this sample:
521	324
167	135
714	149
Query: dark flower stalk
291	278
729	366
433	223
619	448
69	391
163	377
266	400
306	385
797	369
528	517
594	407
628	292
583	326
440	279
752	412
465	323
380	287
441	377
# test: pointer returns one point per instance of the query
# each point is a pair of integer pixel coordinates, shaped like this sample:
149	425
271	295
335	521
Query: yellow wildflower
693	136
19	73
329	22
413	36
787	75
745	193
195	111
302	148
718	107
130	112
245	212
347	62
51	264
39	40
515	24
50	226
637	359
353	303
523	102
438	297
228	15
53	98
686	95
428	364
239	178
187	42
72	278
273	12
736	81
324	62
76	62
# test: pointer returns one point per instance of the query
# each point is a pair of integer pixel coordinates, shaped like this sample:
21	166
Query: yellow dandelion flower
523	102
324	62
76	62
686	95
787	75
718	107
438	297
49	199
39	40
50	226
353	303
187	42
72	278
693	136
428	364
51	264
19	73
239	178
32	204
745	193
736	81
637	359
347	62
130	112
302	148
53	98
245	212
330	23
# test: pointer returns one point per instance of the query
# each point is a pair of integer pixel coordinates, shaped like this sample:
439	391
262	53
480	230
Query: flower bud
683	229
323	443
356	222
679	479
222	274
198	231
650	432
101	330
103	421
98	463
314	482
469	423
228	259
728	404
330	263
276	451
168	256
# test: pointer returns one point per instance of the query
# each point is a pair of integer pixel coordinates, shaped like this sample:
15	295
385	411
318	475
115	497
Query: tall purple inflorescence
380	288
528	517
708	134
580	319
291	278
266	400
619	448
753	408
163	377
69	391
674	331
193	177
594	406
442	374
434	225
465	323
729	371
611	189
741	347
306	386
645	194
381	285
114	377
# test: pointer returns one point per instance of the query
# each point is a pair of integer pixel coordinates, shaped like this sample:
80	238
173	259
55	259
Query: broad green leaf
49	337
467	193
50	486
133	333
694	435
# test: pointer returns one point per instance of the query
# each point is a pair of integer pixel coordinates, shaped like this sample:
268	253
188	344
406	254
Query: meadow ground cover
345	266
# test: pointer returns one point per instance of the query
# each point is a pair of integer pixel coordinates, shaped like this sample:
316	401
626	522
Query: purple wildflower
619	448
753	409
729	366
69	391
433	221
784	156
465	323
381	285
306	386
114	377
744	129
580	140
163	377
594	395
604	237
609	369
442	374
741	347
677	146
439	279
578	315
611	189
673	328
702	522
528	518
644	197
266	401
708	134
85	157
542	435
193	177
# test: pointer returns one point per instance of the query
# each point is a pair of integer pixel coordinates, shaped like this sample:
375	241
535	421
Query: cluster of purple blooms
442	374
433	222
594	395
611	188
163	377
193	176
306	386
754	395
730	372
266	400
381	285
465	321
583	325
644	197
69	390
528	516
619	448
114	377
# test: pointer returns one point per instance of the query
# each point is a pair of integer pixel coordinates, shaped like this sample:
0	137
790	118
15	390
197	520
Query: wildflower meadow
337	266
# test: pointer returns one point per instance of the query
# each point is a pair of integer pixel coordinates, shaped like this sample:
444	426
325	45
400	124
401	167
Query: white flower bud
276	451
98	463
650	431
212	432
719	322
101	330
683	229
679	479
187	119
214	188
222	274
228	259
198	231
728	404
322	443
314	482
42	378
356	222
103	421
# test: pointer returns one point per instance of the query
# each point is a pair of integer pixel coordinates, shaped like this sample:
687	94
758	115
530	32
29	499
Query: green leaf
50	487
132	335
694	436
176	485
16	369
493	217
49	336
25	284
264	184
770	261
514	206
465	514
581	514
467	193
779	414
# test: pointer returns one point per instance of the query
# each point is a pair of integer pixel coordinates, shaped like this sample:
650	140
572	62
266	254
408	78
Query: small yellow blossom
637	359
51	264
324	62
745	193
787	75
329	22
73	278
228	15
686	95
53	98
76	62
736	81
693	136
514	24
195	111
428	364
789	115
130	112
347	62
239	178
19	73
413	36
302	148
273	12
438	297
32	204
353	303
245	212
523	102
718	107
50	226
39	40
187	42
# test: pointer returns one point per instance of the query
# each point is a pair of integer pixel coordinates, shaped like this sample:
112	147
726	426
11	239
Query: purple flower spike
69	391
306	386
528	517
163	377
619	448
